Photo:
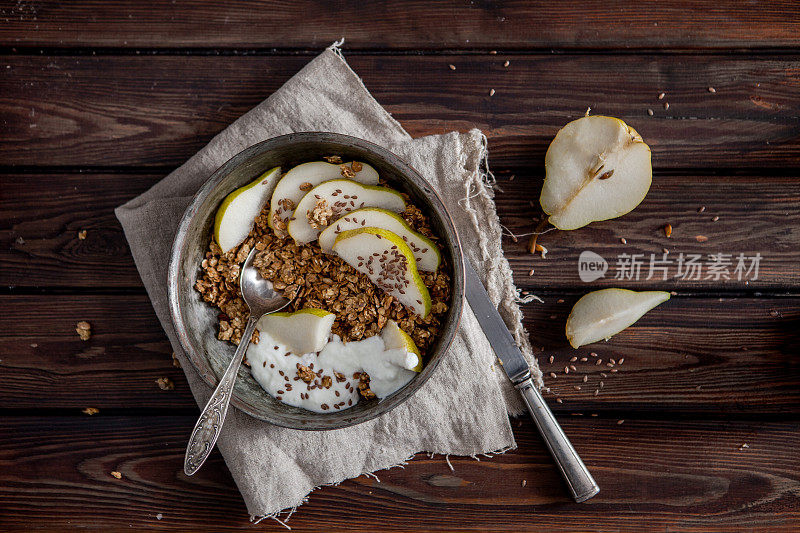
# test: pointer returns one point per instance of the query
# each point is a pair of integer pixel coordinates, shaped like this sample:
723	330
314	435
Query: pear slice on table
601	314
294	185
388	262
395	338
333	199
304	331
596	168
425	251
237	212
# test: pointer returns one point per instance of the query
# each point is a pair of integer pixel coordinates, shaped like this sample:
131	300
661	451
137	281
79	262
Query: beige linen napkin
463	409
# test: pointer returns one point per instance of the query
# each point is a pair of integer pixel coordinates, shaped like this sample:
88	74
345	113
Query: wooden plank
684	475
158	110
699	355
714	220
756	216
414	25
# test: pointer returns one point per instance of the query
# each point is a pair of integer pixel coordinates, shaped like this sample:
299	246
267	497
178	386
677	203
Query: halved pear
333	199
395	338
304	331
388	262
601	314
425	251
596	168
238	211
294	185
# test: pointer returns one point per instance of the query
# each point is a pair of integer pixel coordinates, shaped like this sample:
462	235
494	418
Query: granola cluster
312	278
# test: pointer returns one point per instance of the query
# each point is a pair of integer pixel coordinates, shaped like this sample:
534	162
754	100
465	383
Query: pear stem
536	232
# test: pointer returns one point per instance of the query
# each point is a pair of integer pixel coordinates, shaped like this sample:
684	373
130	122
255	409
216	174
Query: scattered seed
593	354
573	359
560	300
566	370
491	92
596	392
530	273
551	359
559	400
665	250
613	371
553	375
507	63
701	238
701	209
650	112
165	384
511	178
84	330
621	361
604	374
602	384
572	367
452	67
661	96
668	230
584	359
576	387
714	219
82	234
623	240
90	411
116	474
598	362
619	422
524	482
613	362
585	379
712	90
774	313
666	106
493	53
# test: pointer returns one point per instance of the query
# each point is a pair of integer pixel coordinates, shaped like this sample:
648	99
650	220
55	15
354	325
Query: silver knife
579	481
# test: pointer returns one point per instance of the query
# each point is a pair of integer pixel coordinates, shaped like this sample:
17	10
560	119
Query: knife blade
579	480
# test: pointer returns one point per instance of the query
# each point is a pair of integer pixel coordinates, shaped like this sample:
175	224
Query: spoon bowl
261	298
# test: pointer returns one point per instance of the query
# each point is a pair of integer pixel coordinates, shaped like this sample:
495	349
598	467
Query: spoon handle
209	425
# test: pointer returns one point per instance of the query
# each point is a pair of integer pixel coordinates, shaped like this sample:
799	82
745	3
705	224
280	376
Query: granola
314	279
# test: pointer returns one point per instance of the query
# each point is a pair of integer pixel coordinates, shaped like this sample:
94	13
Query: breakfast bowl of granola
365	250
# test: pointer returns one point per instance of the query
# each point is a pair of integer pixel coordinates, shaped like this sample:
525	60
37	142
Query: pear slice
601	314
238	211
294	185
596	168
304	331
388	262
395	338
333	199
425	251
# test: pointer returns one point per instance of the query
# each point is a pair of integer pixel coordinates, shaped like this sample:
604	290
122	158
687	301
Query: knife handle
579	481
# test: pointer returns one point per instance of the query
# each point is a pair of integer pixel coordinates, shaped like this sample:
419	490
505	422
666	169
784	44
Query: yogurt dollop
332	387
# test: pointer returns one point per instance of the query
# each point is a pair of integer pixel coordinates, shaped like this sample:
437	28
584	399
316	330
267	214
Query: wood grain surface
414	25
724	476
90	111
698	428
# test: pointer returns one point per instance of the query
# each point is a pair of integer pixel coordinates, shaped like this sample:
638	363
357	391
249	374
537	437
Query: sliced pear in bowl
237	213
304	331
295	183
602	314
388	262
596	168
395	338
333	199
425	251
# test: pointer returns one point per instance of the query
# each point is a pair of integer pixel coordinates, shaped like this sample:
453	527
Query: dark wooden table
698	430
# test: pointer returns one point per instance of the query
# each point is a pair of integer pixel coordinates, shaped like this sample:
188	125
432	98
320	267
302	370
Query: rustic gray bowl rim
440	215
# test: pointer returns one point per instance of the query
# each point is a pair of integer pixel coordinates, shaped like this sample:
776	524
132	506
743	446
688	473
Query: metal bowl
196	322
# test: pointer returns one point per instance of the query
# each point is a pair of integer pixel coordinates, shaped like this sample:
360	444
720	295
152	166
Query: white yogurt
275	369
